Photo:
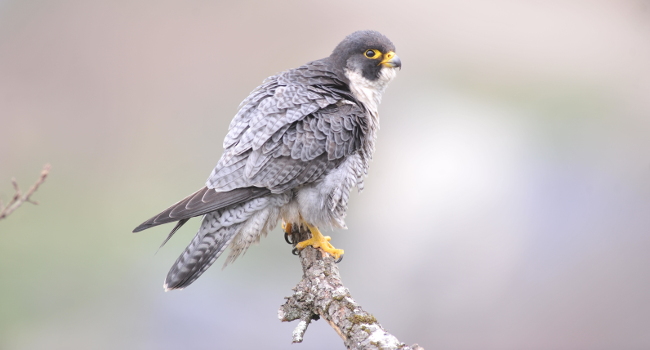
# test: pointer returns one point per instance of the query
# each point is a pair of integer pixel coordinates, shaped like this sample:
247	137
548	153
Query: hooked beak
391	60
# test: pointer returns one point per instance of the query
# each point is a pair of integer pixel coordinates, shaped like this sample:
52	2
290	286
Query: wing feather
202	202
290	131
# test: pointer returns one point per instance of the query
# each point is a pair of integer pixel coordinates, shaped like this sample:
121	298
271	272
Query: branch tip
18	198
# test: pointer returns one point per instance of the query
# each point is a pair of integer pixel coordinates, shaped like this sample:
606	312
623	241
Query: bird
299	143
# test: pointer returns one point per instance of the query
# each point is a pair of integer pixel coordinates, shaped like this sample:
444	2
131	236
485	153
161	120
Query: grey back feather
291	130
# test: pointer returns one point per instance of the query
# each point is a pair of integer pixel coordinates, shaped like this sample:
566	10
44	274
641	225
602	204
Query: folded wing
202	202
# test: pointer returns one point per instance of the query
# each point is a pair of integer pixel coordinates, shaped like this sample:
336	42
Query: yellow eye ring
372	54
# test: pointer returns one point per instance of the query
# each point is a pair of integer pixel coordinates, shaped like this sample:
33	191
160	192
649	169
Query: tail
216	233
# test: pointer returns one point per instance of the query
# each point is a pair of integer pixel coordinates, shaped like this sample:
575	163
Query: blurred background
507	207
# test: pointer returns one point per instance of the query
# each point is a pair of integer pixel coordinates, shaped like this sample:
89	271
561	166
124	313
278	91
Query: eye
372	54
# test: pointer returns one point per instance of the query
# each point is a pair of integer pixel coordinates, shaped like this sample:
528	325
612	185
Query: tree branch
321	293
18	199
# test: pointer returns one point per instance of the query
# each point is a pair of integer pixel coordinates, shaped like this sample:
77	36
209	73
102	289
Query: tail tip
168	285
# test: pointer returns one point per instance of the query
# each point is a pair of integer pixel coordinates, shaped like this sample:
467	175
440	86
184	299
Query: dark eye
372	54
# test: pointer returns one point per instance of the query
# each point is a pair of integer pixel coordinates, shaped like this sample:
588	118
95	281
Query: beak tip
395	63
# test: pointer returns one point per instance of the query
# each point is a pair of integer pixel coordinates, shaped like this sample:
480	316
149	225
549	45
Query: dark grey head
366	52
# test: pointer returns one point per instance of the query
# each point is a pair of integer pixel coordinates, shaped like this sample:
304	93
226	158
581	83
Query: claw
294	251
287	239
287	228
339	259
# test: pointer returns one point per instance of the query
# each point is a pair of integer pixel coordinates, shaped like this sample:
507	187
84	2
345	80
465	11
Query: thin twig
18	199
321	294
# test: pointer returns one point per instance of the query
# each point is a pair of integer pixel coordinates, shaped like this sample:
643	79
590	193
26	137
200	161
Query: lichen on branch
321	294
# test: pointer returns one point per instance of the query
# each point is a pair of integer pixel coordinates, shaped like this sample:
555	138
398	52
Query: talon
287	239
287	228
294	251
338	260
317	240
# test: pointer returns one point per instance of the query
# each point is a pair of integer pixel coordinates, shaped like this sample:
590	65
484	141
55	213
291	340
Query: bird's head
367	53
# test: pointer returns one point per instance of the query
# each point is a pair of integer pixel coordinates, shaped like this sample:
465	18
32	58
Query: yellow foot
317	240
286	226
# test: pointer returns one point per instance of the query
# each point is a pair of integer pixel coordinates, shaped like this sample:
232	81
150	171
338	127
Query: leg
317	240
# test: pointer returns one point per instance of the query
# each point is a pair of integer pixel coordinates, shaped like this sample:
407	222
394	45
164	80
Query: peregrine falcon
297	146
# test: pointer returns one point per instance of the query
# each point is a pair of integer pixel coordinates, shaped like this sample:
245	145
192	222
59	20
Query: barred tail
208	244
218	229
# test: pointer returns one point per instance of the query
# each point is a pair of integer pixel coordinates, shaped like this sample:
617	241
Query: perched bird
297	146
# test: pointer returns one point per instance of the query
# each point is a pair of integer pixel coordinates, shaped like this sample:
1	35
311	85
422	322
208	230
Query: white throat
369	92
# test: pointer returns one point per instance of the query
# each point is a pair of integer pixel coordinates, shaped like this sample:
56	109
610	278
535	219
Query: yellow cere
388	56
